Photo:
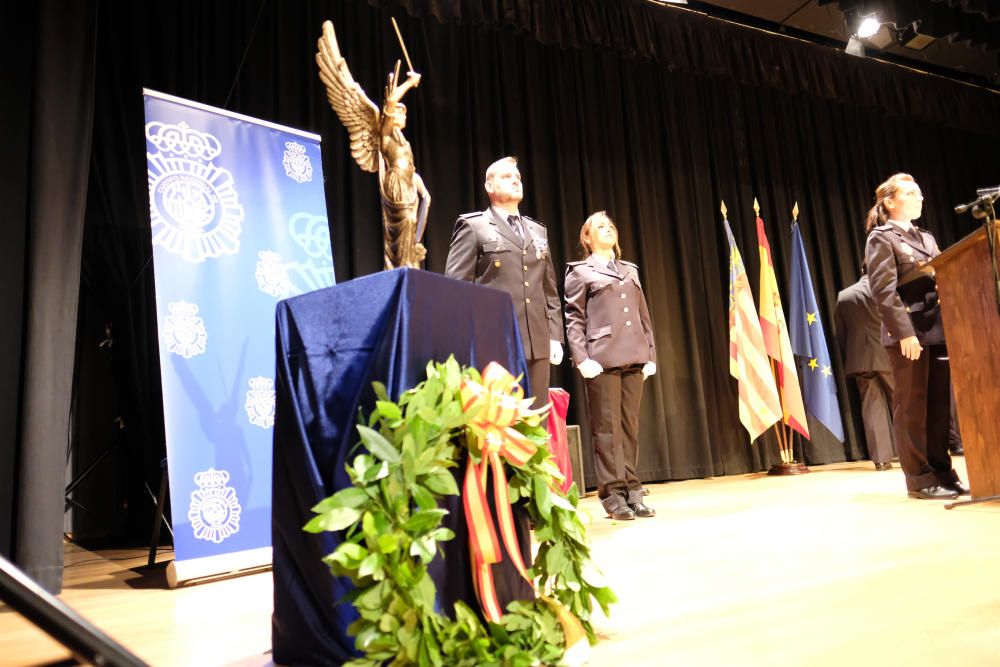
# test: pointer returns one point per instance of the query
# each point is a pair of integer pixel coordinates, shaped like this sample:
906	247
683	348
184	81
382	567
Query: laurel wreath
392	526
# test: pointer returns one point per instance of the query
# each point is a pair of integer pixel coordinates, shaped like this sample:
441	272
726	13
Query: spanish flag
759	405
776	341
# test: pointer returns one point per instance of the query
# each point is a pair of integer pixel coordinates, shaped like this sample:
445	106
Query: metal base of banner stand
184	572
974	501
793	468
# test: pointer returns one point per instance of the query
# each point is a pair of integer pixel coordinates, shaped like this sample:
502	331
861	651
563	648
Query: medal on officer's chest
541	247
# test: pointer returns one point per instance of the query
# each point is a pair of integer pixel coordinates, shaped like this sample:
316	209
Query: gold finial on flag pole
795	212
756	207
722	207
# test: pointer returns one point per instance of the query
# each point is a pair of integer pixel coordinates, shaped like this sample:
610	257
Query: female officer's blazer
902	285
606	315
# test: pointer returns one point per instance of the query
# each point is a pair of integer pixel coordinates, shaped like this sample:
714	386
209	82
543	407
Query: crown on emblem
294	147
211	478
261	383
182	308
181	139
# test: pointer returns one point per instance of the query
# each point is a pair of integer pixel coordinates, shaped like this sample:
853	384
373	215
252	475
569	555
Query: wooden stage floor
837	567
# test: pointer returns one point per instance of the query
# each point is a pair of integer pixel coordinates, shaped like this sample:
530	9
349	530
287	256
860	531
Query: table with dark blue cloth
331	345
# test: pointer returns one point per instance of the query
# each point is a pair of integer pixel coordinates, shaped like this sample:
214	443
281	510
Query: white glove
590	369
649	368
555	352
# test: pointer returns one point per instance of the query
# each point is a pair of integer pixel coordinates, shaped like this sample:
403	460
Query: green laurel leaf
376	443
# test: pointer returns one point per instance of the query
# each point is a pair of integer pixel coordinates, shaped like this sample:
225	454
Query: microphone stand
983	208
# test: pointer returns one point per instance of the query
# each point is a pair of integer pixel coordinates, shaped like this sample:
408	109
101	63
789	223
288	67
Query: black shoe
957	487
934	493
622	513
642	511
956	450
883	466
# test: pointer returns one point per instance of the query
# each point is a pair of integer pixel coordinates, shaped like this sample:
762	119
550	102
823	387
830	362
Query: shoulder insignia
577	263
882	228
632	264
471	216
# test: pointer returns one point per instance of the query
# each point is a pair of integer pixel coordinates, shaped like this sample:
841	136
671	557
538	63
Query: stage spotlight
884	38
860	28
869	26
908	37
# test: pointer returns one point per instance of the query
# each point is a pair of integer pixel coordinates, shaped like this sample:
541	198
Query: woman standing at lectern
611	340
906	297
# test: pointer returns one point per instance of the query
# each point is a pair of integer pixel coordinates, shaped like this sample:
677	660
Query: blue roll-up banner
238	219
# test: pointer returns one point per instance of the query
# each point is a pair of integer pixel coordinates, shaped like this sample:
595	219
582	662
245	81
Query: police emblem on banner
194	208
259	403
183	331
315	270
214	511
272	274
296	163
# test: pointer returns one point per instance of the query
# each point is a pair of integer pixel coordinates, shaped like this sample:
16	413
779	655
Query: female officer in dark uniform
611	342
906	297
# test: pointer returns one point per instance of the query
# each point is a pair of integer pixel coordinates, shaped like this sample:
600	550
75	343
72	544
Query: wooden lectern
964	277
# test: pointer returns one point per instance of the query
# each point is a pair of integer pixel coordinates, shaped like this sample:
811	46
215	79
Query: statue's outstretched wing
358	113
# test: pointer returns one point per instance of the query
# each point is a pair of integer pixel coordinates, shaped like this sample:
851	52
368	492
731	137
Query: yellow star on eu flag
813	364
810	318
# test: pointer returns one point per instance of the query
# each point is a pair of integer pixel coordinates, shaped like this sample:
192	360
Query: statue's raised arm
378	144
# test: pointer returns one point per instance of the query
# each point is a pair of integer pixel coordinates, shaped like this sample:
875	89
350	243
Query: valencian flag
759	405
779	348
809	343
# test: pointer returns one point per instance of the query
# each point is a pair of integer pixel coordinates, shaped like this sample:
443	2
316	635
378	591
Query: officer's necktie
515	223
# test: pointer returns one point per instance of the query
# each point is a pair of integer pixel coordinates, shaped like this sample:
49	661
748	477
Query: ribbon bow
501	404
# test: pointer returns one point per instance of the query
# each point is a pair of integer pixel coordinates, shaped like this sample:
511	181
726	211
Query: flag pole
791	436
779	427
786	437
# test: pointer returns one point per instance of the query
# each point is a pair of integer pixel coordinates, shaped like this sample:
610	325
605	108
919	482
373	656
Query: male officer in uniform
502	249
859	331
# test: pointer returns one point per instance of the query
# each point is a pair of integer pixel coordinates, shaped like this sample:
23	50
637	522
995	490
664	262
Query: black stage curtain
45	183
652	114
14	195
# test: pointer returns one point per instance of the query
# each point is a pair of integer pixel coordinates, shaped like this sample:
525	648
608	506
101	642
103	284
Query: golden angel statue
378	144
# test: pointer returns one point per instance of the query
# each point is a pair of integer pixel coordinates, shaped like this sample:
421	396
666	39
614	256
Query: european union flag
809	342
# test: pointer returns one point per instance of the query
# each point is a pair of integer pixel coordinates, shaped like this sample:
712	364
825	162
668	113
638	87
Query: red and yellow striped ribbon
501	404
